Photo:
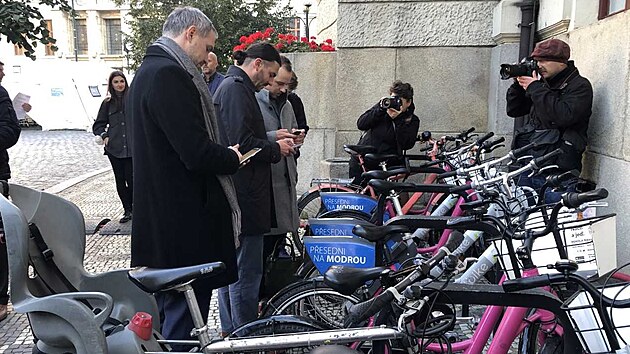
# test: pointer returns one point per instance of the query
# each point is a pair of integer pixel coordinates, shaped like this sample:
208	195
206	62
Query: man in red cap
556	102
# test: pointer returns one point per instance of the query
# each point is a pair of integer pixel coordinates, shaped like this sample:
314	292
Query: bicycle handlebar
518	152
574	200
481	140
364	310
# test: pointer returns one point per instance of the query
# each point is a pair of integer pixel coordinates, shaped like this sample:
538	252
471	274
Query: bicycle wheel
314	300
309	206
535	341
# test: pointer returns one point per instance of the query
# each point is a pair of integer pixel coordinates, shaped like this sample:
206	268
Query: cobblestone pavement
42	159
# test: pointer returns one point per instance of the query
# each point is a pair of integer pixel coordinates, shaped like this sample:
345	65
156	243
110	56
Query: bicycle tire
309	205
312	299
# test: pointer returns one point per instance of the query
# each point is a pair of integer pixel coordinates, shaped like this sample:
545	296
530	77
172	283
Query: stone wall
602	54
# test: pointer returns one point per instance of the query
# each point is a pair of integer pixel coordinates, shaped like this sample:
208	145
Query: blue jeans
537	182
238	302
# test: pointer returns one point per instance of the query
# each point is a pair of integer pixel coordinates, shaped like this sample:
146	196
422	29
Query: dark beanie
552	50
264	51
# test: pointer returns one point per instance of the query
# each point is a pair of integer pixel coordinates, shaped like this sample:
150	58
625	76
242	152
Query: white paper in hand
18	101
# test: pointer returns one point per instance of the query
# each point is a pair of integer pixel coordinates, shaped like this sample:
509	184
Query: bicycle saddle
376	158
378	174
359	149
154	280
385	186
347	280
375	233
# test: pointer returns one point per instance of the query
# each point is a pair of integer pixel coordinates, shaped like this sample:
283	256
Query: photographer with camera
556	101
389	125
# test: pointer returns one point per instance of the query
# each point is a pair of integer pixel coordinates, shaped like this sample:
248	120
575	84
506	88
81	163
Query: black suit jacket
240	118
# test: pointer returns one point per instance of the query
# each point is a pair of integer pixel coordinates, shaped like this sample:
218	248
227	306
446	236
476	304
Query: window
610	7
294	27
113	37
49	50
18	50
82	40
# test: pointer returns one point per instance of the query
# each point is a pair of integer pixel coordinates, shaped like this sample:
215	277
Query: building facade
451	51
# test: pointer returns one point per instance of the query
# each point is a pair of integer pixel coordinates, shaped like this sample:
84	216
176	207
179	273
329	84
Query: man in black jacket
242	121
557	102
185	207
390	130
9	135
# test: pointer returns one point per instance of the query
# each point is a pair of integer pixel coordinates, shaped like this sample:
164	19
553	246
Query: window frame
603	9
107	33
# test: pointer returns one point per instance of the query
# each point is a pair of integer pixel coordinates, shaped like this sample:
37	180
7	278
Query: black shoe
125	217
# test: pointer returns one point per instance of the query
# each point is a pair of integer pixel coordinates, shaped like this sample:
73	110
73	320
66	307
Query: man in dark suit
9	135
242	121
185	206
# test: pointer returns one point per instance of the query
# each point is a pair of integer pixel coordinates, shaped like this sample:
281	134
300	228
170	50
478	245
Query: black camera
524	68
393	102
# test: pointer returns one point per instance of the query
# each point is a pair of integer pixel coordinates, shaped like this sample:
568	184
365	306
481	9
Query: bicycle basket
588	241
587	323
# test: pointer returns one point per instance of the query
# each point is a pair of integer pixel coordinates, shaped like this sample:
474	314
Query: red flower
279	46
268	32
289	41
313	37
282	36
304	39
243	39
329	41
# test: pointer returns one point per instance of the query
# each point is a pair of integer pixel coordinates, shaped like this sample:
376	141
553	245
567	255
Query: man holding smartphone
241	120
280	123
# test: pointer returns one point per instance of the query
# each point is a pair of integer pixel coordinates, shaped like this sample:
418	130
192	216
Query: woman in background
113	127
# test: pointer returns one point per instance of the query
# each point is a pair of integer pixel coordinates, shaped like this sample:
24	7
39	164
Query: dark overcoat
240	118
9	132
181	216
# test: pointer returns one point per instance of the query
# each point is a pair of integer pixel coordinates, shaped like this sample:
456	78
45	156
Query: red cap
142	325
552	50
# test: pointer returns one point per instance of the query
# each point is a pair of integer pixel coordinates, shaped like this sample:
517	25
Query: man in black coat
9	135
558	107
185	207
242	121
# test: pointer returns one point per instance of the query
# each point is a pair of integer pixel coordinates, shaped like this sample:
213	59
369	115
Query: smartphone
297	145
248	155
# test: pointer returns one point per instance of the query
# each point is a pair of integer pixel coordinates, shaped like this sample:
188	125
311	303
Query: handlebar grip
447	174
526	283
364	310
538	162
489	144
484	138
518	152
459	189
556	180
574	200
463	135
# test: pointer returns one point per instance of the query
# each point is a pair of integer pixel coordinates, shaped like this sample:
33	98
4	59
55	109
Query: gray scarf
174	50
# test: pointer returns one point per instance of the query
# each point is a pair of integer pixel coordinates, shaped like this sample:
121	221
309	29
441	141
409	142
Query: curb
60	187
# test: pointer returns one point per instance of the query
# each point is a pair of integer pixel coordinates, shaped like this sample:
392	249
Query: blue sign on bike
326	251
348	201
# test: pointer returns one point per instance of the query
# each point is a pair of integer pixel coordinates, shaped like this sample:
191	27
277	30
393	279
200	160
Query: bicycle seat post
201	328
